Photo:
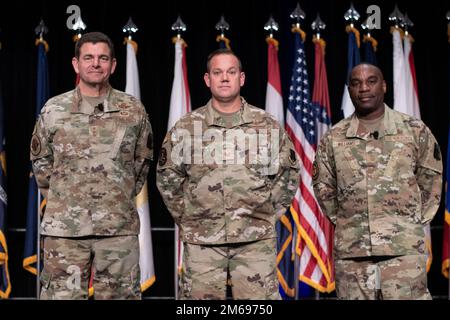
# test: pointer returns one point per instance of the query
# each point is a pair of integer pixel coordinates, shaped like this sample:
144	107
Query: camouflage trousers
396	278
68	263
250	269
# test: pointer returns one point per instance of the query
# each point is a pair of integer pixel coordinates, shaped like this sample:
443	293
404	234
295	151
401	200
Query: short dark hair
94	37
219	52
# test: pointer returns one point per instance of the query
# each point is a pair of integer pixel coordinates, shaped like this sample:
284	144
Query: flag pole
132	87
40	30
274	100
370	43
297	15
353	56
318	26
178	26
223	26
38	249
448	240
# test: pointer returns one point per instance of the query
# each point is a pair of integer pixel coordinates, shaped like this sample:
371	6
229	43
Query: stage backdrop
155	56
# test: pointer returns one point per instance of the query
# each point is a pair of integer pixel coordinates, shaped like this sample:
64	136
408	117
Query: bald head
367	87
367	65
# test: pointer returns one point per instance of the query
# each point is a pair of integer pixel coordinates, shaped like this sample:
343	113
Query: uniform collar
389	124
212	118
110	104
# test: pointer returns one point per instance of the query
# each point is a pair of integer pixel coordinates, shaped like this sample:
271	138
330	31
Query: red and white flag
406	96
180	104
274	100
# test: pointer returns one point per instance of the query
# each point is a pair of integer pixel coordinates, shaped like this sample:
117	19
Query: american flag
312	243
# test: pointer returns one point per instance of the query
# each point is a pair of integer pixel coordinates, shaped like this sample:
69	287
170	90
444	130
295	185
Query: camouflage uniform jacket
380	192
217	202
91	165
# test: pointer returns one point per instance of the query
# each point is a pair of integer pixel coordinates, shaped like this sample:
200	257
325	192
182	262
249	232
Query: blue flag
5	284
369	52
31	243
285	259
224	42
353	58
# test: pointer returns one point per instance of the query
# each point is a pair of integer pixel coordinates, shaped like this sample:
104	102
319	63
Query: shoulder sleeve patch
36	146
162	157
437	152
315	172
292	157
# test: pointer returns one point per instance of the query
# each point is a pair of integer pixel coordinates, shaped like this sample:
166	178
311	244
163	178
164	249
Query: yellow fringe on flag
75	38
372	41
39	41
132	42
409	37
400	30
349	29
4	261
448	32
322	42
175	39
299	30
3	161
271	40
224	39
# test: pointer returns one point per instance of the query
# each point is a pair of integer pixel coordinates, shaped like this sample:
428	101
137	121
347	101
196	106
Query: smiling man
90	151
378	176
225	201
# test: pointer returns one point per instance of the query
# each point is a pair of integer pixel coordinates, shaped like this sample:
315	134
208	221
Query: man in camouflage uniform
225	194
378	177
90	150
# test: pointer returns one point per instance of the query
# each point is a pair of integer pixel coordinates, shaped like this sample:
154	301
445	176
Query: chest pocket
402	156
117	142
348	156
118	134
70	138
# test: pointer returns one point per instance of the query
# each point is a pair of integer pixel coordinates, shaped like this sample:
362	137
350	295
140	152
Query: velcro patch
292	158
345	143
162	157
315	172
399	138
36	145
437	152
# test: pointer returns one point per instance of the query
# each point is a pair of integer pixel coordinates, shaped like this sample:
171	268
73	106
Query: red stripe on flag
273	68
185	82
413	72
